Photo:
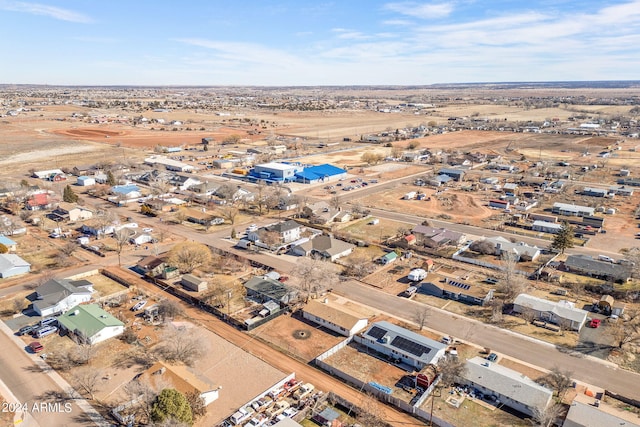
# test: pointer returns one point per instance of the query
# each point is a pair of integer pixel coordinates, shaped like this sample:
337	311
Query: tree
169	309
335	202
188	256
197	404
497	306
315	275
180	344
633	256
512	283
3	249
547	417
483	247
626	331
68	248
371	158
558	380
229	213
68	195
564	239
450	369
358	266
87	380
145	396
111	180
121	237
421	315
171	405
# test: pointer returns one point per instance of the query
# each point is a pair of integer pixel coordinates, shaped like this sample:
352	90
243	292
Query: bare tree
421	315
144	394
180	344
548	416
497	306
369	412
87	381
121	237
188	256
557	379
68	248
450	369
626	331
198	408
358	266
335	202
315	275
512	283
82	353
229	212
169	309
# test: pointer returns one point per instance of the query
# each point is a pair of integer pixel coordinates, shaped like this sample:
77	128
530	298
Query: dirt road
279	360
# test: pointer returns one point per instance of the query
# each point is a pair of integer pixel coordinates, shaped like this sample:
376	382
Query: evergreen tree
68	195
111	180
172	405
564	239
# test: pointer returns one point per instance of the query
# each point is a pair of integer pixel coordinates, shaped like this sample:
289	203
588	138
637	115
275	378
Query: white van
606	258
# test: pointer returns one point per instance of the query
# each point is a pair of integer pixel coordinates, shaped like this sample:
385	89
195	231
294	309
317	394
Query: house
179	377
458	291
85	181
193	283
59	295
520	250
327	314
12	265
388	258
96	227
48	175
263	289
572	210
562	313
585	412
510	187
320	212
437	237
343	216
510	387
546	227
455	174
71	212
327	417
182	182
151	266
410	239
38	201
90	324
594	192
141	239
326	246
199	216
402	345
621	191
8	243
499	204
588	266
287	231
129	191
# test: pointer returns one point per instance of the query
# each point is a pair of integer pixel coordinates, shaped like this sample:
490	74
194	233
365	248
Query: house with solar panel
458	291
402	345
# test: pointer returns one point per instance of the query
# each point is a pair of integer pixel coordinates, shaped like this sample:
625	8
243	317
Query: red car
36	347
594	323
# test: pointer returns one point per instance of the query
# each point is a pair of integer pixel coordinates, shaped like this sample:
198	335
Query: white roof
8	261
501	380
277	166
586	415
547	224
563	309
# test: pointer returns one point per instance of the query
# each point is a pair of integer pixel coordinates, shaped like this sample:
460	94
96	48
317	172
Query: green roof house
90	324
389	257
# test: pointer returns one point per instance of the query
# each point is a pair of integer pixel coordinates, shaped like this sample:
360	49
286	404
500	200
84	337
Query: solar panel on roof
410	346
376	332
459	285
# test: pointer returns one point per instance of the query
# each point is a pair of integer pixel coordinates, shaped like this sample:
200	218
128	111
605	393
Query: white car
147	230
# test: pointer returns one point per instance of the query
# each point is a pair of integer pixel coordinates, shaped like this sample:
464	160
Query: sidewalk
64	385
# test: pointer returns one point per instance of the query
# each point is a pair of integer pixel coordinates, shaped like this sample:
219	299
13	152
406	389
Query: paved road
589	370
32	386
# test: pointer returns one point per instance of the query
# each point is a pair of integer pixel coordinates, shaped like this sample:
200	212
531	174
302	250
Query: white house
8	243
12	265
510	387
520	250
182	378
403	345
288	231
326	314
90	324
72	212
326	246
59	295
562	313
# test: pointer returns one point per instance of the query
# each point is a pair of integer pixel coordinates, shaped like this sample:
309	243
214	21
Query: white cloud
421	10
45	10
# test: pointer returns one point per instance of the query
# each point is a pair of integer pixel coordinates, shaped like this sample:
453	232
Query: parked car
594	323
45	331
36	347
49	321
139	305
492	357
29	329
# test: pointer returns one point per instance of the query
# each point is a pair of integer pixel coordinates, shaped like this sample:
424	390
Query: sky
316	43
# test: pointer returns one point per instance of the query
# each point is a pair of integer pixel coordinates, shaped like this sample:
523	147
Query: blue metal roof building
320	173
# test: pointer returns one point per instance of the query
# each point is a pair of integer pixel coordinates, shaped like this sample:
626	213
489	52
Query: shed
85	181
10	244
606	303
388	258
193	283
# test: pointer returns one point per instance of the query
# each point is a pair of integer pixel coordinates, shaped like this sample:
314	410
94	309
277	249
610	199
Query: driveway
596	342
